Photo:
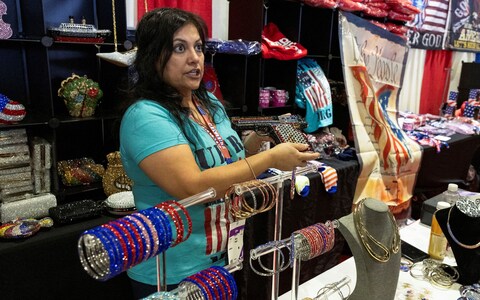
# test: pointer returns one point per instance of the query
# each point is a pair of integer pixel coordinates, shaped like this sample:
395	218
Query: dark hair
154	41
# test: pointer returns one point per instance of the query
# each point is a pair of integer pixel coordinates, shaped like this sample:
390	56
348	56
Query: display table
408	287
47	266
450	165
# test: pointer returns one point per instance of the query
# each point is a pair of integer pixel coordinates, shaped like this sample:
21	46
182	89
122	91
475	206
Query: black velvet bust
466	229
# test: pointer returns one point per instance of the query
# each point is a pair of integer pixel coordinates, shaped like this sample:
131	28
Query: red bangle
187	217
144	234
203	284
221	287
121	240
176	219
130	243
137	240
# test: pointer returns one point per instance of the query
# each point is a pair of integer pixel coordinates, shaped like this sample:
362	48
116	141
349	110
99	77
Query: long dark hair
154	40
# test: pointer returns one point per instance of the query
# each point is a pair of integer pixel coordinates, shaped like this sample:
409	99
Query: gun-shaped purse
284	128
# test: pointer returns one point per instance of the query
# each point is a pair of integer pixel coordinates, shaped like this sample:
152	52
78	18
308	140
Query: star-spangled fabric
451	103
470	108
472	95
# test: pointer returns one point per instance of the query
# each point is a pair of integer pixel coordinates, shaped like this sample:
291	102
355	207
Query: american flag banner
428	28
373	68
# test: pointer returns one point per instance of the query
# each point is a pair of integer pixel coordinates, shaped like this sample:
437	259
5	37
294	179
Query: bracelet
250	167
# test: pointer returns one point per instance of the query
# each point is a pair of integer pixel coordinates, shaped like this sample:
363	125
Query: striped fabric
217	221
329	178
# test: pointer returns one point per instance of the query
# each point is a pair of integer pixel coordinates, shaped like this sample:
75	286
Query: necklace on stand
453	236
121	59
375	248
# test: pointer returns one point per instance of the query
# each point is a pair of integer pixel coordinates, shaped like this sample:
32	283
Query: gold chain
114	26
365	236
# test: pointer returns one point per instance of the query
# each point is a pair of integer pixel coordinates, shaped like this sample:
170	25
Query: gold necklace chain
367	238
454	238
114	26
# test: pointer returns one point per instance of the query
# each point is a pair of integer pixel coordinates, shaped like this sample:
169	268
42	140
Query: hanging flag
373	68
428	28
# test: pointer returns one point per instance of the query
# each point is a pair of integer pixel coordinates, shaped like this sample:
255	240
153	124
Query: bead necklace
455	239
367	239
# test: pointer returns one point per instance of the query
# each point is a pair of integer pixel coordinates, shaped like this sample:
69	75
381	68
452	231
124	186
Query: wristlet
75	211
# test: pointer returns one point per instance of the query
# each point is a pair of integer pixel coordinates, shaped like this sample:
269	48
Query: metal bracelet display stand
297	246
277	181
161	264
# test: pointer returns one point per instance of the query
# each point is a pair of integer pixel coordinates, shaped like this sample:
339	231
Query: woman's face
184	69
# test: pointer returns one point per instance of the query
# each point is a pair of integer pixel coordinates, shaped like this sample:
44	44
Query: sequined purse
115	179
75	211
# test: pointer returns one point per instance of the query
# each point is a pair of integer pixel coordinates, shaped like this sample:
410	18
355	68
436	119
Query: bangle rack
110	249
303	244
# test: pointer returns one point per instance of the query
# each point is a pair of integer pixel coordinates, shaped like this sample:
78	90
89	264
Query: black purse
75	211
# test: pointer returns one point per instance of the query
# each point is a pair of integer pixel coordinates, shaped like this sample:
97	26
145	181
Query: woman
176	140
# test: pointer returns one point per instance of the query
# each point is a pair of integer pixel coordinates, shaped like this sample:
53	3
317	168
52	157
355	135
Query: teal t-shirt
147	127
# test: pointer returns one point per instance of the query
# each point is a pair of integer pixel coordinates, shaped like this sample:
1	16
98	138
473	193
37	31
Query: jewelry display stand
277	181
303	244
375	279
461	226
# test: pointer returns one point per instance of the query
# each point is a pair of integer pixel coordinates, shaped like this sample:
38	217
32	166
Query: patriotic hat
11	111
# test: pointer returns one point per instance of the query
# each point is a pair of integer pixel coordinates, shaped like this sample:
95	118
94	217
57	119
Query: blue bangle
165	224
231	281
113	267
221	287
162	226
125	257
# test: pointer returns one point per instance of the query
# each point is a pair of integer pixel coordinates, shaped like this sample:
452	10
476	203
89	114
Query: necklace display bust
375	279
461	226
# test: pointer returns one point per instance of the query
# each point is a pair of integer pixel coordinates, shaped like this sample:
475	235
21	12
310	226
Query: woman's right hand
288	156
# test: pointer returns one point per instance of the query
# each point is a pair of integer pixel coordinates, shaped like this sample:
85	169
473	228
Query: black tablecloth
47	266
450	165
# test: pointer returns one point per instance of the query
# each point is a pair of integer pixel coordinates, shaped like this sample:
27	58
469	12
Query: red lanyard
213	132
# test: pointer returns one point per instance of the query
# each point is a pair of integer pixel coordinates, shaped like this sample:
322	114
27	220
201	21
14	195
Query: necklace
455	239
382	254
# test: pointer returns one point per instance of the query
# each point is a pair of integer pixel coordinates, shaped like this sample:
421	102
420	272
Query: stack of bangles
304	244
435	272
314	240
214	283
251	197
112	248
